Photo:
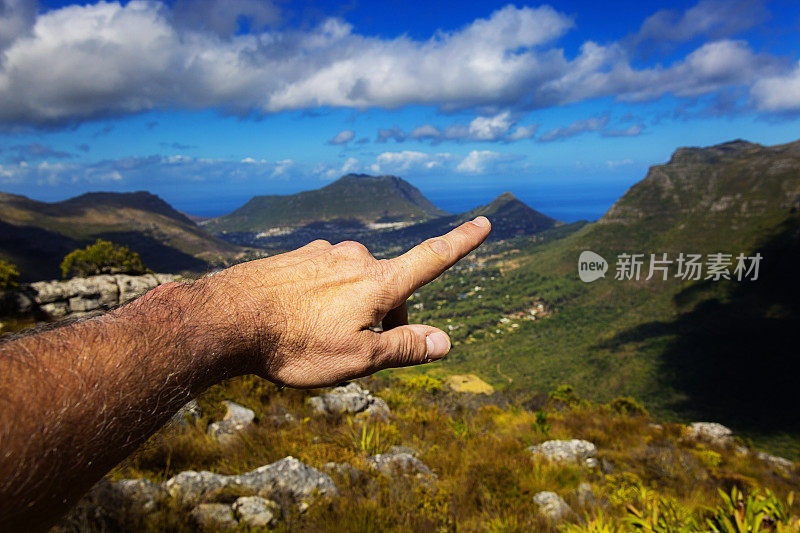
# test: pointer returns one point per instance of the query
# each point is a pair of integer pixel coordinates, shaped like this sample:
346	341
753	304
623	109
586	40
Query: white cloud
482	128
343	137
576	128
477	161
85	62
408	160
778	93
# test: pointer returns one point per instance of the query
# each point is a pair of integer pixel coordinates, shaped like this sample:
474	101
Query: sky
209	102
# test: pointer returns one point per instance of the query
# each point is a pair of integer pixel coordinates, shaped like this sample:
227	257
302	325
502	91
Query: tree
9	276
102	257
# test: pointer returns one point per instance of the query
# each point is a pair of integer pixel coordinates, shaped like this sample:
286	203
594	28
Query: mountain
367	199
37	235
705	349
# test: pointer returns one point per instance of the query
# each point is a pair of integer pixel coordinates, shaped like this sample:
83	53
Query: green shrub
9	276
756	513
102	257
626	405
564	394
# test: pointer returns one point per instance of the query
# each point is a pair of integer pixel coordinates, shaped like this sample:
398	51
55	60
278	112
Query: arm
76	400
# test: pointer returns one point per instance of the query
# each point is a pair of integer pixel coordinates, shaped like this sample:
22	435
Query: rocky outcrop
350	399
552	506
79	296
405	464
779	463
710	433
567	451
288	476
237	419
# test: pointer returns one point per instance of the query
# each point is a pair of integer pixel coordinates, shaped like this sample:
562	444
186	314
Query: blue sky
208	102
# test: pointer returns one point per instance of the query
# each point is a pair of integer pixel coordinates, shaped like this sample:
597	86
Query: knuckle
353	247
408	346
439	247
320	243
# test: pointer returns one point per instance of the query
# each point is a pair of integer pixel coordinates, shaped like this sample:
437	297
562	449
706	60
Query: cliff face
49	300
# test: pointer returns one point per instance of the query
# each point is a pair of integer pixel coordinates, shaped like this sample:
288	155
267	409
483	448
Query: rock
213	516
189	412
391	464
780	463
345	470
350	399
141	493
403	449
79	296
255	511
237	419
710	433
567	451
190	486
585	495
287	476
552	506
279	420
468	383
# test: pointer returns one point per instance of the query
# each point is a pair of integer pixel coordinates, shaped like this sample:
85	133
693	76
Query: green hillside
36	235
716	350
367	199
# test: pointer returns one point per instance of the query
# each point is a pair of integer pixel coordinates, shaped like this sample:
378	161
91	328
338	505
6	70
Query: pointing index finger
426	261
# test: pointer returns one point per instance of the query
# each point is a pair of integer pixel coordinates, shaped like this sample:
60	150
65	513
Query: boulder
349	399
287	476
552	506
237	419
392	464
140	493
189	412
710	433
255	511
567	451
213	516
774	461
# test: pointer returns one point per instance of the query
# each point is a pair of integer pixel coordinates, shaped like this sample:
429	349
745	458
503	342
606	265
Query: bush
564	394
9	276
625	405
102	257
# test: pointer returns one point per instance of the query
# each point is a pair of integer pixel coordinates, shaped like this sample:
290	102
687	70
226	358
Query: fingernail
482	222
438	345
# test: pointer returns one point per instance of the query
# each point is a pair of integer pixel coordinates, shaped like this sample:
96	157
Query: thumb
410	345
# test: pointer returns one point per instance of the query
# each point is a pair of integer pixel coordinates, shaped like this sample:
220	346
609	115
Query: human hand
303	318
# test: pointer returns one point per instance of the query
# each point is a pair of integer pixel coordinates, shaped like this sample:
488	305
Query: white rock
552	506
567	451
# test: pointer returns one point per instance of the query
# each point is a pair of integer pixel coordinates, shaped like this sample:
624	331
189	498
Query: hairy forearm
75	400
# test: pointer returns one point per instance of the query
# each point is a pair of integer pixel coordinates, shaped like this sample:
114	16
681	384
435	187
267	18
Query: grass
474	490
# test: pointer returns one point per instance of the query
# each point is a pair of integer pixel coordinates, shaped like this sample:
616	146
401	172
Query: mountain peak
362	197
510	216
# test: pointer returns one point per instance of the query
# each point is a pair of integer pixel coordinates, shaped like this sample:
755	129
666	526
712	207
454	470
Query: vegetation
102	257
9	276
391	199
649	478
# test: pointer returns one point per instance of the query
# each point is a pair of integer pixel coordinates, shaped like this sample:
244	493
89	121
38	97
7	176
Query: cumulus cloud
343	137
778	93
620	163
576	128
491	128
477	161
408	160
84	62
